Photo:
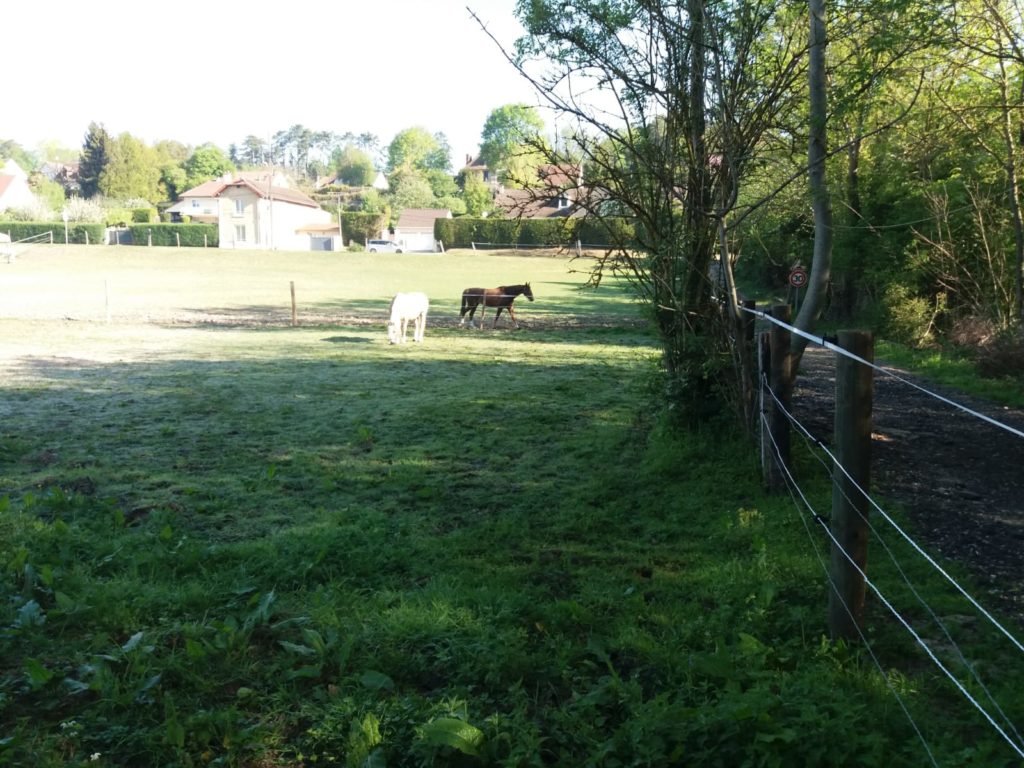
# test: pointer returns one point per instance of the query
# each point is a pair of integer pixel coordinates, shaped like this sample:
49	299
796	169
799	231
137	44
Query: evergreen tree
94	158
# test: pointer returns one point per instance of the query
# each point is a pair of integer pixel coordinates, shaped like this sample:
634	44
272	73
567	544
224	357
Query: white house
261	215
14	189
200	203
415	228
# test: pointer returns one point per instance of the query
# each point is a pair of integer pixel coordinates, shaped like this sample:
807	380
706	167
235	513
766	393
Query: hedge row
77	231
360	227
176	235
461	232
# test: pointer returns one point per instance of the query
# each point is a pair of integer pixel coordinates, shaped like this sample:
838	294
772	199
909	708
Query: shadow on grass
584	307
348	340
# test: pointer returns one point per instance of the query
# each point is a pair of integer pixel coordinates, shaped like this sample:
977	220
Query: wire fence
11	249
903	600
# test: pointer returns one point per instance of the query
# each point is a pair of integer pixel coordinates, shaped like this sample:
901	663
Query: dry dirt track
960	478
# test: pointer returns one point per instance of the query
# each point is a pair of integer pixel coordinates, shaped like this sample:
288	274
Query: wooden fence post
849	526
780	379
294	315
749	367
764	363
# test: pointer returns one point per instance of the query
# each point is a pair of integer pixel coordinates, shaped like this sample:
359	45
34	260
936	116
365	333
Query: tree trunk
817	149
1013	195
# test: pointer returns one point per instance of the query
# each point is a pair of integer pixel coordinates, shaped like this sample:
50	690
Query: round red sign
798	277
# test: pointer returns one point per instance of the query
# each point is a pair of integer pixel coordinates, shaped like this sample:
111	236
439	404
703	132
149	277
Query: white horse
406	307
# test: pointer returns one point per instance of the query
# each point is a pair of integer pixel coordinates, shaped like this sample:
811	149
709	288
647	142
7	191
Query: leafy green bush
144	215
177	235
463	231
117	217
902	316
78	232
359	227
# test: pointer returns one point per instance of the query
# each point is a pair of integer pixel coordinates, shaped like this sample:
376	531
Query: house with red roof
14	189
256	209
557	193
200	204
261	215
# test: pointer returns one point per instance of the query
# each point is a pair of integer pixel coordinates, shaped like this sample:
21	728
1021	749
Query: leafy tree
206	162
53	151
476	194
373	202
684	94
14	151
509	142
174	180
172	156
990	33
51	193
417	149
132	170
354	167
442	184
454	204
94	159
411	189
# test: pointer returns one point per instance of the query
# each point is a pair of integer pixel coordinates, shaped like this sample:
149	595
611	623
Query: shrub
359	227
1003	356
80	209
117	217
905	318
144	215
37	210
973	331
463	231
175	235
77	232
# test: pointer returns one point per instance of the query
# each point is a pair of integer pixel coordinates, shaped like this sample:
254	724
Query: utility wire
809	438
839	350
919	549
899	617
791	484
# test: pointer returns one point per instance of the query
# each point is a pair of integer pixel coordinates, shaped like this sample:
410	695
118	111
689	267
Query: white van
383	246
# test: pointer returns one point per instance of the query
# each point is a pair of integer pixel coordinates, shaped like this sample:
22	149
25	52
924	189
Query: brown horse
500	297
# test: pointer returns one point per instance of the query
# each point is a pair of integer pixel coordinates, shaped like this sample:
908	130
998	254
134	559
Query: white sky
219	71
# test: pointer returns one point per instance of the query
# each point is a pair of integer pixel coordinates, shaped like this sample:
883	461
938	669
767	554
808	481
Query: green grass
258	545
952	370
170	285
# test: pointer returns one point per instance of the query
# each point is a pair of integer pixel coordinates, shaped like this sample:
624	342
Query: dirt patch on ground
959	477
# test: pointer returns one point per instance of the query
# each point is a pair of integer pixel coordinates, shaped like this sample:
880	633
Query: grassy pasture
228	541
188	285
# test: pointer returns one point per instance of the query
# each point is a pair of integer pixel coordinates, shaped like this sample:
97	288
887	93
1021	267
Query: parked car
383	246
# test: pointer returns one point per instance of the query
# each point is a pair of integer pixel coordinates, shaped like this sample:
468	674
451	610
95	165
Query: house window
239	233
239	206
195	203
